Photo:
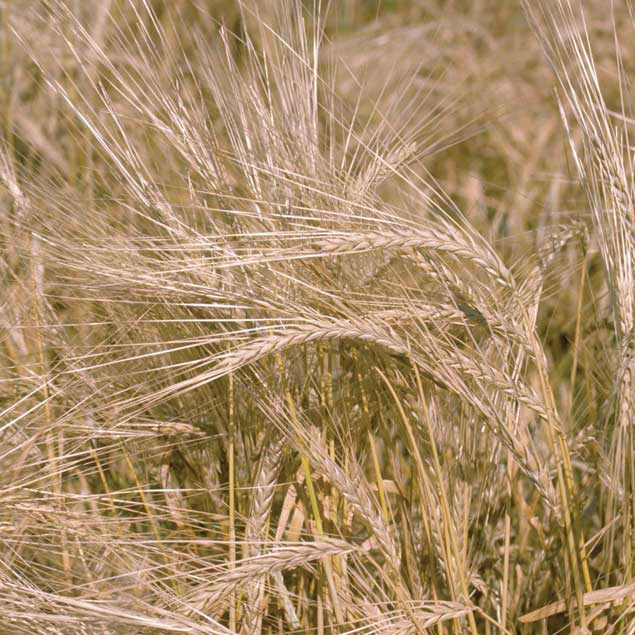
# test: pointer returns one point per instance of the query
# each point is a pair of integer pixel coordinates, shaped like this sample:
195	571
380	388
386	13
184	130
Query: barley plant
317	317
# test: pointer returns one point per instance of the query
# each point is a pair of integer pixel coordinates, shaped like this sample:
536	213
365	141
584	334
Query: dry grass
316	319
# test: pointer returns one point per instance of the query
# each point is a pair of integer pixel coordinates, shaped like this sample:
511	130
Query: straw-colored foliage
317	317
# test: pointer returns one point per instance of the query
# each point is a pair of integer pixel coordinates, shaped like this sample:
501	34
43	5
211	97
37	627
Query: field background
316	319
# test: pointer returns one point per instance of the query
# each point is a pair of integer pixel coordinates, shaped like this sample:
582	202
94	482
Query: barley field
317	318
